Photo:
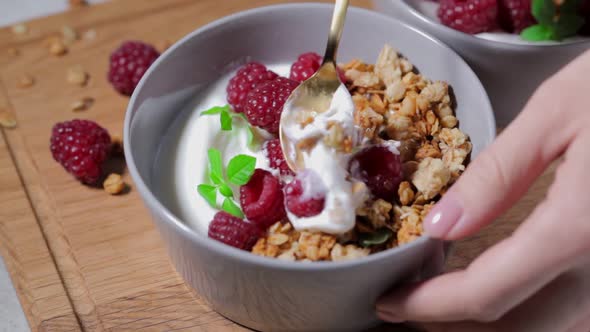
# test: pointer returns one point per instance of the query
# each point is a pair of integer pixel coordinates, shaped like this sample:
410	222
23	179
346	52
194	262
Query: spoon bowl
314	95
310	98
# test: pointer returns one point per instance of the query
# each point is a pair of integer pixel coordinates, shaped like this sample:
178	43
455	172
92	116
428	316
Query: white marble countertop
12	318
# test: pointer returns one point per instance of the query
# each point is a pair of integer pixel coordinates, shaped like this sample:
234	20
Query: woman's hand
538	279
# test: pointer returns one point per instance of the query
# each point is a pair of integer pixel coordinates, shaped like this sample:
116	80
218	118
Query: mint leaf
544	11
378	237
225	119
225	116
216	110
538	32
232	208
215	165
209	193
216	179
225	190
240	169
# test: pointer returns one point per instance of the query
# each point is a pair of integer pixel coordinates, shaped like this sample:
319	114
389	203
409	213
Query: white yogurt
182	162
330	167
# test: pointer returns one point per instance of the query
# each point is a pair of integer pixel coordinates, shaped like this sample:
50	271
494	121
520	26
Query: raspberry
246	79
80	146
128	63
305	195
306	65
469	16
276	158
233	231
262	199
515	15
264	103
380	169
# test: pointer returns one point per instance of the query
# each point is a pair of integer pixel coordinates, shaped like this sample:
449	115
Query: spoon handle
336	27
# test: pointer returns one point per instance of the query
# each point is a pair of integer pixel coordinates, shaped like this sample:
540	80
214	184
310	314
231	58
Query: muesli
412	152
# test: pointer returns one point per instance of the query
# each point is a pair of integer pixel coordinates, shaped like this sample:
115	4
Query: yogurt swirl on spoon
325	142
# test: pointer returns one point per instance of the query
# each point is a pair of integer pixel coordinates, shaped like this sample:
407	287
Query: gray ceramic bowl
510	72
258	292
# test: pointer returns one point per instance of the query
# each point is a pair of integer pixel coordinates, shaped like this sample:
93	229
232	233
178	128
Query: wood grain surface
79	258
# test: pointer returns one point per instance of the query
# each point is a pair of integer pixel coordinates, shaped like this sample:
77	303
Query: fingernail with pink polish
443	216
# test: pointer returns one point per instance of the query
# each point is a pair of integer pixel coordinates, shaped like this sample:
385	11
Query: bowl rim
247	257
482	41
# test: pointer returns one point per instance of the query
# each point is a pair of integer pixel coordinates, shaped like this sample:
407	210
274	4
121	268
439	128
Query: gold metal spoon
315	94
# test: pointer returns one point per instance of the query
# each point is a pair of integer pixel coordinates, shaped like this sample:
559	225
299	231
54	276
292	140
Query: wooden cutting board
82	260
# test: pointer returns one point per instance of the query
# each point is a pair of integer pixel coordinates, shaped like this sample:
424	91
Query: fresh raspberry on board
81	147
515	15
276	159
306	65
264	103
380	169
128	63
302	199
234	231
246	79
262	199
469	16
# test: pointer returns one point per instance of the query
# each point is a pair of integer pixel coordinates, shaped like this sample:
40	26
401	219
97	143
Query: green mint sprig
554	22
226	117
238	172
380	236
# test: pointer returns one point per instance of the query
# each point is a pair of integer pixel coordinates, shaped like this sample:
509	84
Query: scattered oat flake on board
77	75
57	48
13	51
7	118
89	34
25	81
49	40
114	184
69	34
82	104
20	29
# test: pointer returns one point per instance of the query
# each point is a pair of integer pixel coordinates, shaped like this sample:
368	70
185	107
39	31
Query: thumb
502	173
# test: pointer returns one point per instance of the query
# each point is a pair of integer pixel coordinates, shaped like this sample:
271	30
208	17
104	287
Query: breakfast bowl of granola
512	45
278	250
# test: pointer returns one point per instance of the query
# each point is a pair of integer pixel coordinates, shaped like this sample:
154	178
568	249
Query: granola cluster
284	242
392	102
